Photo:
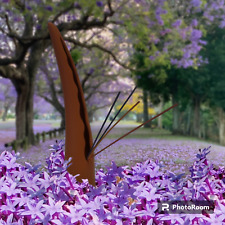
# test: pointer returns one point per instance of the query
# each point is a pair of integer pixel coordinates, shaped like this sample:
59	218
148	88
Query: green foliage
10	116
169	16
215	51
76	55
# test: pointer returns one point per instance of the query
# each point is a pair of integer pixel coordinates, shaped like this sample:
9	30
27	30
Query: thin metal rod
115	125
103	124
115	116
136	128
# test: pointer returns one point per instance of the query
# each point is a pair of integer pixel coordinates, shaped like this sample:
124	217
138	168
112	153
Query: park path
176	152
8	133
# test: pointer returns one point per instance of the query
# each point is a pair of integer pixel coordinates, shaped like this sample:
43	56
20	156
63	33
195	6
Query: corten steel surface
78	132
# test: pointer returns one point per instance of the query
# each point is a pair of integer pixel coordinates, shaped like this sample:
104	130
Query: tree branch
46	98
101	107
62	12
94	45
76	25
10	72
20	5
16	59
85	79
7	23
53	100
110	6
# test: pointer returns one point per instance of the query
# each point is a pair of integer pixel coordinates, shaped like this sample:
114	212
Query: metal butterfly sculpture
78	143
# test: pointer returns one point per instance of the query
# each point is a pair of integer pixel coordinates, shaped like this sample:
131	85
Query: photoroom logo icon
165	206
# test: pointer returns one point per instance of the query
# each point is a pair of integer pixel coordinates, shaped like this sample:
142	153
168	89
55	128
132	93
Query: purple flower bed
122	195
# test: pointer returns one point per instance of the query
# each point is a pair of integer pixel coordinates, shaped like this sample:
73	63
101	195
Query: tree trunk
6	109
188	123
30	113
203	130
145	108
63	123
90	115
32	66
221	117
139	118
196	120
62	113
25	92
21	87
160	117
176	113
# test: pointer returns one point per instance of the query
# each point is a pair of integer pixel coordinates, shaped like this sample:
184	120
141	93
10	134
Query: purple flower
151	57
222	24
22	200
74	214
29	8
31	183
173	218
10	163
91	70
9	206
49	8
77	5
196	3
17	19
215	219
99	3
121	196
194	23
196	35
53	207
202	42
10	190
34	210
130	213
177	23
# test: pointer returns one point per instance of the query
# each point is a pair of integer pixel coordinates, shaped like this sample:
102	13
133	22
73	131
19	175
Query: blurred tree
7	96
102	25
167	77
24	37
215	53
177	45
194	87
190	88
139	109
99	81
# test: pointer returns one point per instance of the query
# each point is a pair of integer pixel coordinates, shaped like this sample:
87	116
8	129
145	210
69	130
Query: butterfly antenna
136	128
103	124
115	124
117	114
112	120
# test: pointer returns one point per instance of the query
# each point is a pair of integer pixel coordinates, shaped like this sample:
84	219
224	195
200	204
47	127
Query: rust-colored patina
78	132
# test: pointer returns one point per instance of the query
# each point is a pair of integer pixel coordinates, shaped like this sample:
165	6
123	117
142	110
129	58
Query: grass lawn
176	153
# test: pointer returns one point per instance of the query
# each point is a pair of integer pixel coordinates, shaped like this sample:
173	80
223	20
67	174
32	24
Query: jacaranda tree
164	75
24	38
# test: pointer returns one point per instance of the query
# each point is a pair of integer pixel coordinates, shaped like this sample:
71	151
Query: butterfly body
78	132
